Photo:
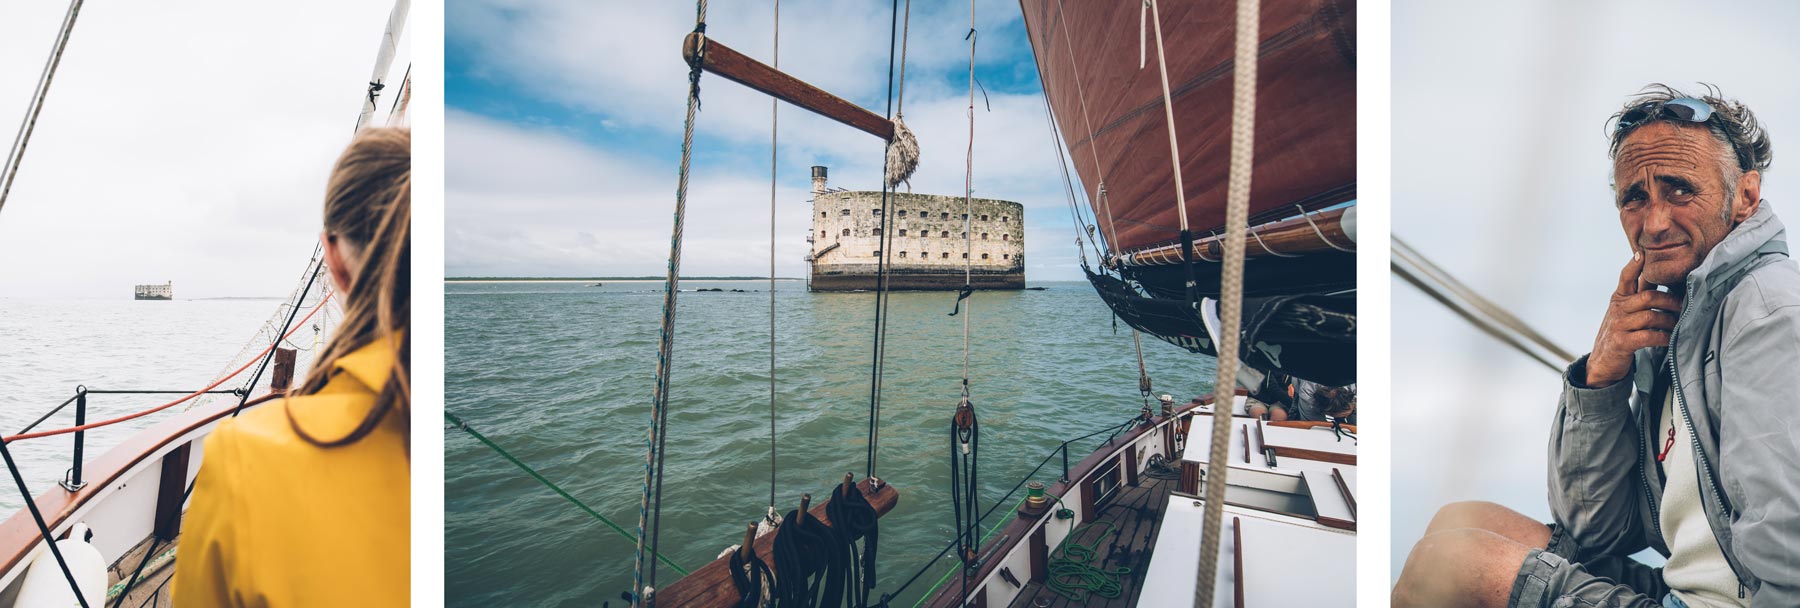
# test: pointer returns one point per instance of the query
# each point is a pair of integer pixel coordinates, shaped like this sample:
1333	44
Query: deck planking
1136	514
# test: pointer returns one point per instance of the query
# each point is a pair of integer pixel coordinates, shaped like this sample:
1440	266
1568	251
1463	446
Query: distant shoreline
601	279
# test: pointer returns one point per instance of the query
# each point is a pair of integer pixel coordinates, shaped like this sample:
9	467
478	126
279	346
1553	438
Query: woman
305	502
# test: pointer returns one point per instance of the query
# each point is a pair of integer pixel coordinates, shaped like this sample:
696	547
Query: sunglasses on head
1686	109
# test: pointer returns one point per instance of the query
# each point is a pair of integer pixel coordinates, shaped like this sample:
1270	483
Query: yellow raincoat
275	521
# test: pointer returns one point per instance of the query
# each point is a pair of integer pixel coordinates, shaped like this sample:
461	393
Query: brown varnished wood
1237	556
737	67
710	585
171	491
1136	515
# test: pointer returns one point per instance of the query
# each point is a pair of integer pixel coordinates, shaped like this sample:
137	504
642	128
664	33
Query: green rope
553	487
990	534
1071	574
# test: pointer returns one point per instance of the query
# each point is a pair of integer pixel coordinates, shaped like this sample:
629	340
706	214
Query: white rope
16	154
1270	250
1231	280
903	153
1081	95
1317	231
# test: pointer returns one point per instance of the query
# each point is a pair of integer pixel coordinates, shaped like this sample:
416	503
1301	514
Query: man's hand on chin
1638	316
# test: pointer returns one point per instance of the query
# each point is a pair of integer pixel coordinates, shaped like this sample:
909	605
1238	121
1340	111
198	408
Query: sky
565	120
186	142
1500	175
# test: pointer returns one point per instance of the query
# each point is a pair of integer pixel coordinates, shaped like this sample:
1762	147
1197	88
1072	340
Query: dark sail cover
1309	336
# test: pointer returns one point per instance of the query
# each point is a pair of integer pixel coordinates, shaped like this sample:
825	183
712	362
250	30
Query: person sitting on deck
1677	432
307	502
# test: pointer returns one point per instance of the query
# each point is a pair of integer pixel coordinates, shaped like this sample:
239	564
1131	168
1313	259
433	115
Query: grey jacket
1737	375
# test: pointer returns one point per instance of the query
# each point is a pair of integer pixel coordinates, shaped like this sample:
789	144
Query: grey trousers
1548	580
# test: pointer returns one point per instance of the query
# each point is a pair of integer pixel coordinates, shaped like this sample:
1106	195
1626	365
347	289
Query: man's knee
1459	567
1483	515
1278	414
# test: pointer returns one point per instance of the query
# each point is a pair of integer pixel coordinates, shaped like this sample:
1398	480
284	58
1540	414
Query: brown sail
1110	113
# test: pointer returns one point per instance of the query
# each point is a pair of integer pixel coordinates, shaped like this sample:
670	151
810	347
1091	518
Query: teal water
560	375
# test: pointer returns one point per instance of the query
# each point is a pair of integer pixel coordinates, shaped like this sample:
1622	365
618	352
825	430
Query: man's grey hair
1744	145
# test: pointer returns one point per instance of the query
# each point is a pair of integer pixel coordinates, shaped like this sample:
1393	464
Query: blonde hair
368	209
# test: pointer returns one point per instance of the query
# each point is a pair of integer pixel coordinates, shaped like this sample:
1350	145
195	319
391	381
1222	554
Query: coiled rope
650	507
16	154
1072	573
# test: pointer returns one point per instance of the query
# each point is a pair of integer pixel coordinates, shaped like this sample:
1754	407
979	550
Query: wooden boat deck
1136	516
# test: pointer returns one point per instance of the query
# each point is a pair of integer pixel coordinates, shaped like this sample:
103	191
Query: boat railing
1062	450
72	479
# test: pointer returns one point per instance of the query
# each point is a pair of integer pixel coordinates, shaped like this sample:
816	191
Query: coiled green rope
1074	577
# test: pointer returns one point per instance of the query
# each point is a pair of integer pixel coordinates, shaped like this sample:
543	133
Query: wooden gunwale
19	535
1020	529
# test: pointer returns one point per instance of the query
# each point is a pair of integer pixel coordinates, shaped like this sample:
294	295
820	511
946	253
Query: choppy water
48	347
560	374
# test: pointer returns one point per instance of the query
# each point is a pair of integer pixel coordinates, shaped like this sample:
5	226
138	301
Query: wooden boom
711	585
736	67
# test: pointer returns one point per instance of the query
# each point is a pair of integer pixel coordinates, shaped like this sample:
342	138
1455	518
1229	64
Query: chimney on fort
818	180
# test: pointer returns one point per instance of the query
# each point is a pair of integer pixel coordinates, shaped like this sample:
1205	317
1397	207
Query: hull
159	298
1110	112
862	277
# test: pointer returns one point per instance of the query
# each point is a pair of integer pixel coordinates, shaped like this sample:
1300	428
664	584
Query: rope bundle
902	154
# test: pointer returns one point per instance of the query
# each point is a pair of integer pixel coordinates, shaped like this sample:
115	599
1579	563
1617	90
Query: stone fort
927	241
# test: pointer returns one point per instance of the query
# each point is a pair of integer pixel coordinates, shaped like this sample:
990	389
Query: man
1679	431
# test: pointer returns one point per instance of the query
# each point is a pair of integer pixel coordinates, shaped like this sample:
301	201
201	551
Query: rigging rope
458	423
183	399
269	355
16	154
650	506
881	271
43	529
965	430
1231	280
774	131
1416	269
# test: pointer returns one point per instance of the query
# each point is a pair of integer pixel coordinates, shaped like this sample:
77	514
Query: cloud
528	178
187	142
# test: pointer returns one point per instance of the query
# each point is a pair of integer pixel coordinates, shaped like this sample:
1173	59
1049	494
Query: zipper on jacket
1694	436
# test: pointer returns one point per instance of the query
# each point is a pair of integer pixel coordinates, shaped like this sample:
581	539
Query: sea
48	347
560	375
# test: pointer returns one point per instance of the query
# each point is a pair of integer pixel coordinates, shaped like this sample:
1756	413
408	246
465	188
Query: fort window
877	232
902	232
984	236
846	232
984	217
1005	256
1003	218
946	234
877	212
822	233
946	255
965	217
821	214
1005	237
902	254
877	253
965	255
902	213
846	212
943	216
924	255
964	235
984	256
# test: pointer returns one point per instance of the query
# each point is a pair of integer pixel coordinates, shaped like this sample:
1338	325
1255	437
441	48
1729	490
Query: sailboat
115	520
1123	525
